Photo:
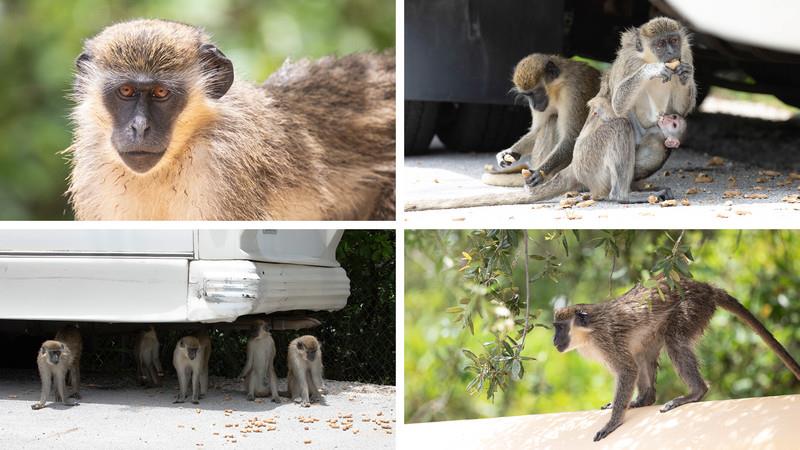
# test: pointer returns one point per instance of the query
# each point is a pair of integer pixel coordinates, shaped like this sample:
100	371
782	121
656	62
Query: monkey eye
127	91
673	40
160	92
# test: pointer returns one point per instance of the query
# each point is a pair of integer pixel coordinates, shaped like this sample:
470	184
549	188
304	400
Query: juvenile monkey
58	358
148	363
205	347
305	369
188	361
556	90
260	364
627	334
164	131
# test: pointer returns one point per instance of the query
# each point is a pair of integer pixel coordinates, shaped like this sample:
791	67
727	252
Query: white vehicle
177	276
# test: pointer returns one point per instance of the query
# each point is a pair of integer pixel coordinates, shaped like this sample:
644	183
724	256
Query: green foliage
41	39
575	266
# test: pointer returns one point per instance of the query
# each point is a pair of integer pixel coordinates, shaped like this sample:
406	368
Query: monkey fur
640	89
187	358
305	370
627	334
57	359
164	131
260	364
556	90
148	363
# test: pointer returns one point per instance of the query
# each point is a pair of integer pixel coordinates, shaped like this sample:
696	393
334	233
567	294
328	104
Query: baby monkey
669	127
305	369
627	334
57	359
260	364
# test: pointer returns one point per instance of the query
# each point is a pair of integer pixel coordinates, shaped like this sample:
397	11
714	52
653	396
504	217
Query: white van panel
310	247
225	290
94	289
100	242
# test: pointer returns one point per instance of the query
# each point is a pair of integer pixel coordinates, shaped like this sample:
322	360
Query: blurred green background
757	267
41	38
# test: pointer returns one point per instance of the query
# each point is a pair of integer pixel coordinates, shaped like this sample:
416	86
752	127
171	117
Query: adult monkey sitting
652	76
163	131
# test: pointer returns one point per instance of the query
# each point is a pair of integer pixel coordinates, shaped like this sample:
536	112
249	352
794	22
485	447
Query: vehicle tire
469	127
420	125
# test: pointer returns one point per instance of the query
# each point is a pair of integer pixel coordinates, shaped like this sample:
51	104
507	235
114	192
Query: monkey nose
139	127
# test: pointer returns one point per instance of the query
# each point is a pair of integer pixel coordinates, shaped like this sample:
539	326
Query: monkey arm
557	161
626	378
627	91
248	366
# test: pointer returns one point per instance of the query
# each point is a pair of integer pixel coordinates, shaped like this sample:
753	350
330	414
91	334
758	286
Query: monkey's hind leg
685	362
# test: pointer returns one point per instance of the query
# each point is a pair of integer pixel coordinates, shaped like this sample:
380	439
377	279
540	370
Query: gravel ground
753	165
127	417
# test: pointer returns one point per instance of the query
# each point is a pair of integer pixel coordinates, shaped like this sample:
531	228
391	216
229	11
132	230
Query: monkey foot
305	405
670	405
606	406
76	395
664	194
177	400
605	431
37	406
251	397
641	403
195	402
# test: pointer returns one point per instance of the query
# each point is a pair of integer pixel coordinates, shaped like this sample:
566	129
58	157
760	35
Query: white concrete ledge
765	423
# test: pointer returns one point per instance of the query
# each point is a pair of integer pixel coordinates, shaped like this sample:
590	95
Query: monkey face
667	46
561	337
192	352
537	98
310	351
143	115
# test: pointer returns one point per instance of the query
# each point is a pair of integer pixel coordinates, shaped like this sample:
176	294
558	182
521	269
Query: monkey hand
506	158
684	72
658	70
535	178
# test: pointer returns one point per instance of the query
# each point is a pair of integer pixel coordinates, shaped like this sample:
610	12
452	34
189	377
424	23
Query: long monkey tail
563	182
732	305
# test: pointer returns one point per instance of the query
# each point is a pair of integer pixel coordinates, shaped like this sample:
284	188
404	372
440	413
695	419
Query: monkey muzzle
192	353
142	161
538	99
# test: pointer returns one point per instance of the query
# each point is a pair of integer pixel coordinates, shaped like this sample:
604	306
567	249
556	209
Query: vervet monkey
148	363
260	364
305	369
556	90
58	358
188	361
205	346
627	334
643	84
163	130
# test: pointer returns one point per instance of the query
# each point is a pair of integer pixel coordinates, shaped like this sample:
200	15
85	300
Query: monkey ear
180	344
82	62
218	68
42	351
551	71
301	346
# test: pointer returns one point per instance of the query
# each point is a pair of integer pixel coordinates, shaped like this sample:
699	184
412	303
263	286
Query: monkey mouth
141	161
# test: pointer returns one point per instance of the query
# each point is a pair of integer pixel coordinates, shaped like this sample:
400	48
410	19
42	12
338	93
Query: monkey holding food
627	334
556	90
640	88
57	359
164	131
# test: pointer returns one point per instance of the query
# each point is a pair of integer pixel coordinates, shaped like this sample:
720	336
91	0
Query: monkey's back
685	313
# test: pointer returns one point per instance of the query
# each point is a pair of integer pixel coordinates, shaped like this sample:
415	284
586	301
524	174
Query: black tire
470	127
420	125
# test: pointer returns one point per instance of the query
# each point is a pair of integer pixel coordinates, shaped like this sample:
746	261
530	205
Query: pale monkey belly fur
656	100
